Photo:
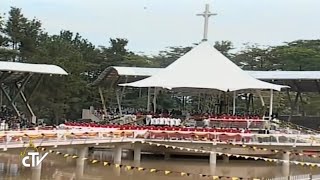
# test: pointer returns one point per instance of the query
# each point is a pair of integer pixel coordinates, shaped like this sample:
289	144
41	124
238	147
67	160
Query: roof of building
124	74
31	68
15	71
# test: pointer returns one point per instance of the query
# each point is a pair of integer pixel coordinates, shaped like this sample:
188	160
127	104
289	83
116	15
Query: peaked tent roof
204	67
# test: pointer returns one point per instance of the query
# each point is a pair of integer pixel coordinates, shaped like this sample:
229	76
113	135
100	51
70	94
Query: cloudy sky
152	25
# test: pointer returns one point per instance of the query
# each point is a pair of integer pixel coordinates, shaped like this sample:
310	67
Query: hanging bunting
151	170
243	156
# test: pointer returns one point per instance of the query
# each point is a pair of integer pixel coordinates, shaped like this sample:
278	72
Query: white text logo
34	159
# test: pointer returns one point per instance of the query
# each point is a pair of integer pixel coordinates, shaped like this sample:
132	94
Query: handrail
18	138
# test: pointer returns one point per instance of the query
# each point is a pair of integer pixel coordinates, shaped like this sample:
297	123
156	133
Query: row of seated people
225	117
157	128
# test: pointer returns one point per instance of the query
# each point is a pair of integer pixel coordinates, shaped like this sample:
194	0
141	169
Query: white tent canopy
206	68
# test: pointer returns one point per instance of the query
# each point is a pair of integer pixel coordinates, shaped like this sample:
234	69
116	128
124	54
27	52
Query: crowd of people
165	117
9	120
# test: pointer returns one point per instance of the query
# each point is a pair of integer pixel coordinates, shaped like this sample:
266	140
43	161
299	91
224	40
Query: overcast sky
152	25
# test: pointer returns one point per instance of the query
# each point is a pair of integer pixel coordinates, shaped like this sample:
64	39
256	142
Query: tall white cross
206	14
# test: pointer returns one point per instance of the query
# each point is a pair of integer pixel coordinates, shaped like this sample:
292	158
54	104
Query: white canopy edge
136	71
262	75
32	68
285	75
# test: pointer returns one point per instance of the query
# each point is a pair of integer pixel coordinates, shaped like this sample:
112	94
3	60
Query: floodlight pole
206	14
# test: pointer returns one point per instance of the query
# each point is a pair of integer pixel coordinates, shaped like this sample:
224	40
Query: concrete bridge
118	140
138	141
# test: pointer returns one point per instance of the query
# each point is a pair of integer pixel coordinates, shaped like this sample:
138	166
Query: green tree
253	57
30	38
168	56
224	47
14	27
297	55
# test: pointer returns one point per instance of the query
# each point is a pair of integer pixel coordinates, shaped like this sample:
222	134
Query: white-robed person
206	122
153	121
148	119
161	121
157	121
177	122
167	121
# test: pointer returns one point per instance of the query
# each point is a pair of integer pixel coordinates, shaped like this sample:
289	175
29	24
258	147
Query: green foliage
297	55
169	56
253	58
224	47
14	27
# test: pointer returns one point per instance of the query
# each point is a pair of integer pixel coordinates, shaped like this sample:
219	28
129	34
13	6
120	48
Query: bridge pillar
166	156
130	154
213	156
137	152
116	171
213	168
82	153
36	171
225	159
70	152
117	154
286	163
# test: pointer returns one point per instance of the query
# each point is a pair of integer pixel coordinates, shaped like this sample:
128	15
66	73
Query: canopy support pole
155	100
24	99
140	92
271	103
199	101
184	102
35	87
302	107
9	99
149	97
119	102
123	89
234	103
102	100
261	98
263	104
22	87
291	104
